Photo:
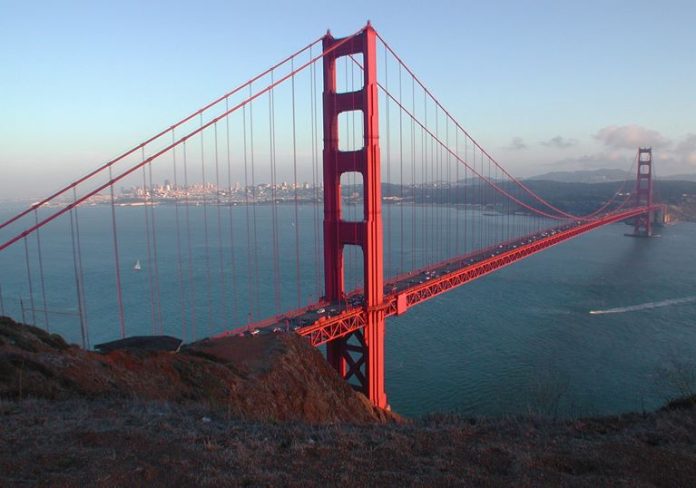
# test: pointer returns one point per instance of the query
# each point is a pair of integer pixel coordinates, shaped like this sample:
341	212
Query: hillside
583	176
210	416
273	377
573	197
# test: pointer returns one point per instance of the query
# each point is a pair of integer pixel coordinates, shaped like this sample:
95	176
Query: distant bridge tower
359	356
644	192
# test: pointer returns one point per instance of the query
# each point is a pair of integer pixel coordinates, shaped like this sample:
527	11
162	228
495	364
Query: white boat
136	266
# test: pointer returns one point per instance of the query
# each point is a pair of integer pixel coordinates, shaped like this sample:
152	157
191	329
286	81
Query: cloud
671	157
631	137
688	144
686	150
594	161
679	158
517	144
559	142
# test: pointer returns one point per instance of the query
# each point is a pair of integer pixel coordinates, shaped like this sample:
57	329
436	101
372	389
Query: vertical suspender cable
508	227
218	205
41	270
434	208
146	192
192	282
254	195
434	190
480	201
78	285
414	178
274	207
206	242
315	149
492	201
424	218
235	289
298	282
401	176
83	303
457	198
153	228
179	258
440	192
448	209
427	236
117	263
29	282
466	195
247	203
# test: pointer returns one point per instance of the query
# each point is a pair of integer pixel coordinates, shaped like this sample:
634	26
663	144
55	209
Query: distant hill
689	177
583	176
600	176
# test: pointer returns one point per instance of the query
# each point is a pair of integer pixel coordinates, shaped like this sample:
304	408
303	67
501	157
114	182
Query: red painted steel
644	193
435	287
329	329
354	334
367	233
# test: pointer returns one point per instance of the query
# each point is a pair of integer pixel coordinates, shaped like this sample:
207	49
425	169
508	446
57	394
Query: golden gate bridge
413	207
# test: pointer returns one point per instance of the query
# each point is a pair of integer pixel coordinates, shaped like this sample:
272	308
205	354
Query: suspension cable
466	133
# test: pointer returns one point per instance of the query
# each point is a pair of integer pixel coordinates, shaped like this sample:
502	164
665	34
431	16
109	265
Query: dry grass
272	377
211	416
139	443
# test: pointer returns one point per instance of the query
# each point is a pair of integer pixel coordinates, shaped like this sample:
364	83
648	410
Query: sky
543	86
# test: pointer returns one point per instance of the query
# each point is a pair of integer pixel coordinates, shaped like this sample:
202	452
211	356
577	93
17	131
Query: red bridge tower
644	193
359	356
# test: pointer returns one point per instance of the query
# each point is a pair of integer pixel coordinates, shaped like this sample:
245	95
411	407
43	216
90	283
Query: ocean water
592	326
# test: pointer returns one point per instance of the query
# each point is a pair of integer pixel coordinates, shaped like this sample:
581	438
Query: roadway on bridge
324	321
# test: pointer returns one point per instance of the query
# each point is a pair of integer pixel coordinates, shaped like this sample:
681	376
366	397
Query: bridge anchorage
207	251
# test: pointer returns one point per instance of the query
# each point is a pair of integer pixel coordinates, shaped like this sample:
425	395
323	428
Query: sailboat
136	266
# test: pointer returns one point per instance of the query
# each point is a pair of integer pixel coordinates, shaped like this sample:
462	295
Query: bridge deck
322	322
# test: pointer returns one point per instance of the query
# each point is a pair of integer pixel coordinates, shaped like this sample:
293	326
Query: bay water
601	324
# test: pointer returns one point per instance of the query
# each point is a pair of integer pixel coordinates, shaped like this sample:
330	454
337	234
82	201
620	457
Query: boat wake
645	306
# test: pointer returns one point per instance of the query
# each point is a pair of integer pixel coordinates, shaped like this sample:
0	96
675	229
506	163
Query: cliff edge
209	415
276	377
